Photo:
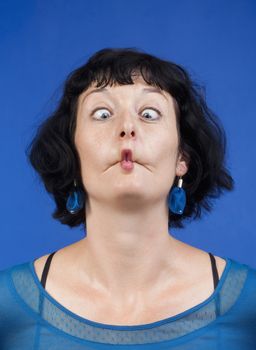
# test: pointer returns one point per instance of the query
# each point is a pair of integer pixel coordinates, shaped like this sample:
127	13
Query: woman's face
135	117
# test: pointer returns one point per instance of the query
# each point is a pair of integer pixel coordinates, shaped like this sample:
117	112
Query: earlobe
182	165
181	168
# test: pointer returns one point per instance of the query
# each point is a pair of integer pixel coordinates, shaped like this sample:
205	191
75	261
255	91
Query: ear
181	165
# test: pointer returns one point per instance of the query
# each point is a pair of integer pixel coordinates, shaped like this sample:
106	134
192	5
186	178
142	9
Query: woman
131	151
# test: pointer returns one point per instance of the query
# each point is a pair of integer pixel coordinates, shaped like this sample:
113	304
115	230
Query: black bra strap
46	269
214	271
49	259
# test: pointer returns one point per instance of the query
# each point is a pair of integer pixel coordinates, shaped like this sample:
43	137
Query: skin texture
127	213
128	269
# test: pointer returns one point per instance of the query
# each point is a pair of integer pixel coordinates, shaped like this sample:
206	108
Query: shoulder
239	266
12	280
4	279
8	271
63	257
39	264
220	264
242	277
198	260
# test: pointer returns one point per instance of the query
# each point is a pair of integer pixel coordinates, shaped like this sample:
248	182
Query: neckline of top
131	327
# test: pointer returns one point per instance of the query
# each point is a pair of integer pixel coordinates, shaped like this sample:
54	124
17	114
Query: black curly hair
202	139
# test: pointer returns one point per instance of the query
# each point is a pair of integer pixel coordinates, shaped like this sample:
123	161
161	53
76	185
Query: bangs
123	67
122	71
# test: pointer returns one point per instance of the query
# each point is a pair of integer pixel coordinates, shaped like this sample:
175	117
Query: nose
127	125
127	133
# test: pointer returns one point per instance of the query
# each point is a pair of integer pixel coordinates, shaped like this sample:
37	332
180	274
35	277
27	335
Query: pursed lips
126	154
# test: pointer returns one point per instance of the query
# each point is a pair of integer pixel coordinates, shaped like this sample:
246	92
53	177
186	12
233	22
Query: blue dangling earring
75	201
177	199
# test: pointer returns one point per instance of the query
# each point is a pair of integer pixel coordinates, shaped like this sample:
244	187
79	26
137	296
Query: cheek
165	147
165	156
84	144
92	148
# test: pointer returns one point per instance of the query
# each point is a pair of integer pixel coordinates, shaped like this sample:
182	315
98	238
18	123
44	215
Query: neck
127	254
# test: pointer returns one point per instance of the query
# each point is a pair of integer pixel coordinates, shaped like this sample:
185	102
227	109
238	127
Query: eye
156	113
99	113
153	113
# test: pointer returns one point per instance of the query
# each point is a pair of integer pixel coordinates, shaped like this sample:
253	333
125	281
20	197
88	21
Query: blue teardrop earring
75	201
177	199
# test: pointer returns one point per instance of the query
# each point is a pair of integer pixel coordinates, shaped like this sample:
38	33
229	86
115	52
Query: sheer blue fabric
30	318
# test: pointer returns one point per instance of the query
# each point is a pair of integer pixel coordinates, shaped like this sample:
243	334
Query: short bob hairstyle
202	139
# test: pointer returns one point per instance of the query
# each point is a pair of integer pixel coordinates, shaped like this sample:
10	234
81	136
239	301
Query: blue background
42	41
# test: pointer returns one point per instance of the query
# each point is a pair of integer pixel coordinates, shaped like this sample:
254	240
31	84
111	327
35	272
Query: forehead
139	86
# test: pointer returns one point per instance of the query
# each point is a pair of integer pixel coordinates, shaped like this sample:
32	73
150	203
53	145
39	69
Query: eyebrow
153	89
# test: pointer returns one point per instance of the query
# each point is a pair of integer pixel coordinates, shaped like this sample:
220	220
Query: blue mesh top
30	318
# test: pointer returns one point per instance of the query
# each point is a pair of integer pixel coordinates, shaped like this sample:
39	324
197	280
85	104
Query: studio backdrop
43	41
